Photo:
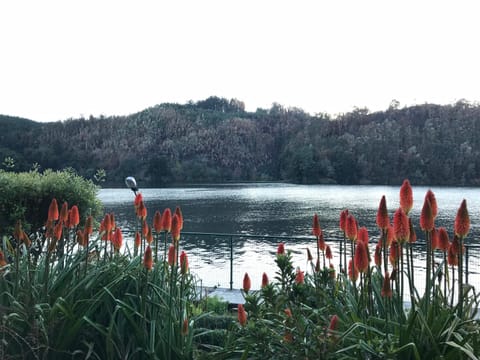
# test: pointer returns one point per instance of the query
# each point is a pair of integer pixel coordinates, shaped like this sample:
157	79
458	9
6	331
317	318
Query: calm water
279	209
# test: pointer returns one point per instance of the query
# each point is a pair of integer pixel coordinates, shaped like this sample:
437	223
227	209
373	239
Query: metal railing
472	252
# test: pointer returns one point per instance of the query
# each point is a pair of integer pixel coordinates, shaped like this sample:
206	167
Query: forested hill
216	140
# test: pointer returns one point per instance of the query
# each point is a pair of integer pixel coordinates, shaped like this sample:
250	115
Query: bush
26	196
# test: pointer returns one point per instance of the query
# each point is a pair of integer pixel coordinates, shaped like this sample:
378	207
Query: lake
280	210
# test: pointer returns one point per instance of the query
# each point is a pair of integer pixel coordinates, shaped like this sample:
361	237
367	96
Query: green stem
428	279
460	277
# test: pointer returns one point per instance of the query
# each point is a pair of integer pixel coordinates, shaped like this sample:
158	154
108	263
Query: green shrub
26	196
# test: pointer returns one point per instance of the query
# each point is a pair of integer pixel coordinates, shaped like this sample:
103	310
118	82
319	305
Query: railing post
466	264
231	262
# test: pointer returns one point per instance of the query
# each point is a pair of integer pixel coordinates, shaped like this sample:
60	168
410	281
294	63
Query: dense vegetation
75	291
217	140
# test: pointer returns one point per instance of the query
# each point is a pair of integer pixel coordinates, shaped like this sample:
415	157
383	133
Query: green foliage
216	140
26	196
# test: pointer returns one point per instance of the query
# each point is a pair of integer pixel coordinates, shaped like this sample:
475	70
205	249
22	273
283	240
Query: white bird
132	184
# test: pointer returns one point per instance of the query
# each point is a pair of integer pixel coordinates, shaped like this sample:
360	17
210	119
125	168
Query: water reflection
277	209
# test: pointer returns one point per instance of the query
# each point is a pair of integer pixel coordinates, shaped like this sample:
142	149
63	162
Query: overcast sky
66	59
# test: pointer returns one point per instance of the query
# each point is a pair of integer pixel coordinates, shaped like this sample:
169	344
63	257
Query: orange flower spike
382	214
406	197
57	231
183	263
247	284
433	202
107	223
452	255
157	221
363	235
443	241
361	257
74	216
281	249
426	216
352	271
138	240
456	245
413	234
328	253
138	200
309	255
299	276
117	239
176	228
264	280
386	288
63	217
148	258
333	323
343	220
166	220
316	230
178	212
288	312
462	220
401	226
242	315
171	255
112	221
3	262
351	227
142	211
145	228
53	210
89	225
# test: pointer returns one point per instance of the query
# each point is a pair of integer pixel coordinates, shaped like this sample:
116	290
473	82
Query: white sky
65	59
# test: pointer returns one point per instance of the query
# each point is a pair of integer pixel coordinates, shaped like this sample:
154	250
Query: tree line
216	140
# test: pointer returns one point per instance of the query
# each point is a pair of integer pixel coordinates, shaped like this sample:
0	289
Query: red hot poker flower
363	235
309	255
321	242
185	327
433	202
401	226
452	255
394	254
138	200
242	315
281	249
183	263
176	227
157	221
117	240
443	241
53	210
3	262
148	258
166	220
361	257
406	196
328	252
316	230
462	220
74	216
138	240
382	214
178	212
300	276
378	255
351	227
142	211
89	225
426	217
64	212
413	234
264	280
247	284
333	323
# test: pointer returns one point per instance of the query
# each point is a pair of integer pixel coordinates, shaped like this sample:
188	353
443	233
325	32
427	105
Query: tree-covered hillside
217	140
